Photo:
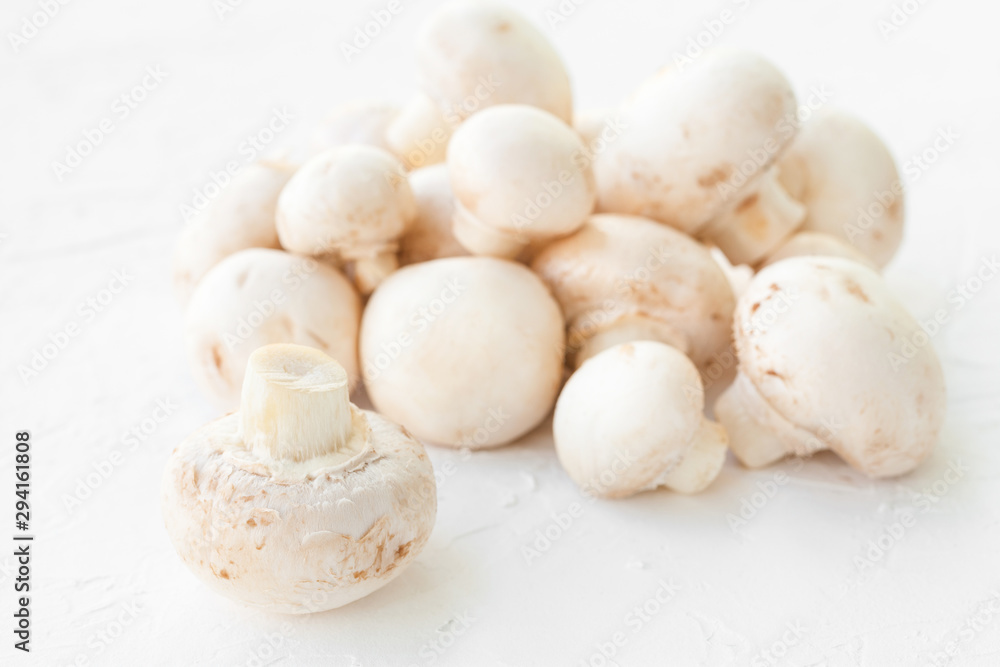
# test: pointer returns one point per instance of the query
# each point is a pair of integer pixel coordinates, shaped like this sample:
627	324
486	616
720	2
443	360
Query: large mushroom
829	359
622	278
299	502
464	351
256	297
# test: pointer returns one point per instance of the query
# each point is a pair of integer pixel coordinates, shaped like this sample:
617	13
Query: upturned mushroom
630	419
518	178
430	236
624	278
299	502
351	203
464	351
256	297
829	359
696	141
242	216
846	182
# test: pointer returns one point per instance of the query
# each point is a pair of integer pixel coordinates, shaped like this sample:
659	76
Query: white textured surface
108	561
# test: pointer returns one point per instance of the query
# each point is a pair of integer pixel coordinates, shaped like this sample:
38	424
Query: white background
104	566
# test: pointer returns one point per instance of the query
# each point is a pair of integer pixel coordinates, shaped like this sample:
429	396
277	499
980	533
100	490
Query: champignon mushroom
429	236
256	297
829	359
242	216
516	173
419	134
697	140
473	55
623	278
299	502
630	419
464	351
353	203
804	244
361	122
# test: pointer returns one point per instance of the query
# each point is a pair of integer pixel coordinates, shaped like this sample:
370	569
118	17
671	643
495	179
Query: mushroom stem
760	435
480	239
750	230
295	403
583	344
702	463
369	272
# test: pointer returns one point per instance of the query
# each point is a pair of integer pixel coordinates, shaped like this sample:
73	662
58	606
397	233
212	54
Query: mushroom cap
463	351
690	140
472	55
429	236
517	169
299	537
619	266
626	416
361	122
820	244
242	216
838	167
259	296
353	201
420	132
822	341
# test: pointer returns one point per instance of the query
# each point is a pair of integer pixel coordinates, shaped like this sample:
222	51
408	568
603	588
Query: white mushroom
803	244
473	55
518	178
622	278
361	122
256	297
300	502
353	203
420	133
464	351
829	359
630	419
429	236
697	141
242	216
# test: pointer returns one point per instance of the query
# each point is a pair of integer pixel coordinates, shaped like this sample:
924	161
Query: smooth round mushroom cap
464	351
626	416
697	140
618	267
242	216
257	297
831	351
353	201
361	122
419	134
473	55
517	169
429	236
299	536
811	244
848	181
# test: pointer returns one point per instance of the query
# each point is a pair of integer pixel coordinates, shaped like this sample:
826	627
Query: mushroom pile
484	256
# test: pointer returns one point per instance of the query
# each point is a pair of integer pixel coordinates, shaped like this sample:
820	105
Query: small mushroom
242	216
518	178
623	278
464	351
473	55
630	419
352	203
829	359
256	297
299	502
809	244
361	122
429	236
697	141
420	133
